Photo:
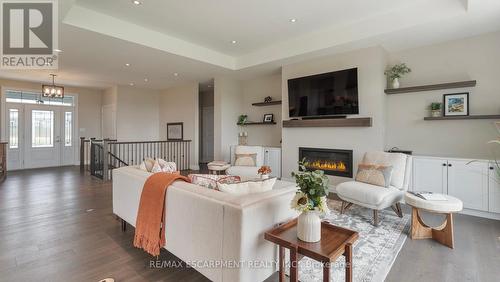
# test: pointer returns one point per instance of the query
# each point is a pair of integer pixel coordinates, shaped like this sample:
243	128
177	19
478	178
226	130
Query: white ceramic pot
264	176
395	83
436	113
309	227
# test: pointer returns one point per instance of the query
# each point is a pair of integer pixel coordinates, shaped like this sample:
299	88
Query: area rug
373	253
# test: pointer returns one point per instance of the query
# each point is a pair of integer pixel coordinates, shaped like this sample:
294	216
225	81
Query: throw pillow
167	166
379	175
210	180
156	167
147	164
248	187
245	160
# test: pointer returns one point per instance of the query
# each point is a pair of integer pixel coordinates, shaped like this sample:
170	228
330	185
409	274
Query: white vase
264	176
436	113
395	83
309	227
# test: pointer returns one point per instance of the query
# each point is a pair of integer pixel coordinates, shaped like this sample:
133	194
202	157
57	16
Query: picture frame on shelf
268	118
456	104
175	131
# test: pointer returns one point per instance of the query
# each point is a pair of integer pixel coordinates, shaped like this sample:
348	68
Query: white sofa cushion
396	160
372	196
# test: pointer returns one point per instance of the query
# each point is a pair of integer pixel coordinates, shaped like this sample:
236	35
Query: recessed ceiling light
146	79
137	2
127	65
58	50
234	41
131	84
293	20
176	74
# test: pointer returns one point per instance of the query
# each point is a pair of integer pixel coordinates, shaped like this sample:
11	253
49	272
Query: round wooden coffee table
419	230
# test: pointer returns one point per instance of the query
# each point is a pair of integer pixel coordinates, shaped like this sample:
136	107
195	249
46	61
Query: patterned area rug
373	253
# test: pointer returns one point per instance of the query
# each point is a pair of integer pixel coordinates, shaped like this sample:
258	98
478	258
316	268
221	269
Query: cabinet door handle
449	164
492	168
444	164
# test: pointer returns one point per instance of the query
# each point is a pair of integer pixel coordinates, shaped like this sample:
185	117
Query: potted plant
242	119
396	72
310	200
264	171
436	109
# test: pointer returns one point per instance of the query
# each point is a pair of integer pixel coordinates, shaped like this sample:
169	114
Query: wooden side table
335	241
419	230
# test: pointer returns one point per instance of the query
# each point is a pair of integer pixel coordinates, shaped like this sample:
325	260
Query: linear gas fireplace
331	161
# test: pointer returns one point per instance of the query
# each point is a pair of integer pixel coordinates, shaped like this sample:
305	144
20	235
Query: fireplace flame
327	165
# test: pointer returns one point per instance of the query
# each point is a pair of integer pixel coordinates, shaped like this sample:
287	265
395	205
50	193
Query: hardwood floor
57	225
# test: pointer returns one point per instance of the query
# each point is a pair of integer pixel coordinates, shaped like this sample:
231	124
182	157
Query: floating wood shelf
256	123
335	122
262	104
450	85
464	117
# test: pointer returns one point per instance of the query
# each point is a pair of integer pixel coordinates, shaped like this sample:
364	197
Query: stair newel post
105	159
82	153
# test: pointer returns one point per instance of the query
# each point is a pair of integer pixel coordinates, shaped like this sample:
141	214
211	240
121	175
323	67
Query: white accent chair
246	171
377	197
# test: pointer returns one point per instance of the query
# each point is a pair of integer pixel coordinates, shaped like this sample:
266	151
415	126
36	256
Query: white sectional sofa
205	226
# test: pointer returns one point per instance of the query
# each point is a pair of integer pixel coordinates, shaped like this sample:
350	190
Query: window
13	96
68	126
42	132
13	128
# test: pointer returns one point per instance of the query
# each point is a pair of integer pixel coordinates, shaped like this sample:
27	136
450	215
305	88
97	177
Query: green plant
313	189
397	71
435	106
242	119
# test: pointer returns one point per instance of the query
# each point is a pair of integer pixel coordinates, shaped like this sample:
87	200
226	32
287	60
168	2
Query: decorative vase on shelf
264	176
309	227
395	83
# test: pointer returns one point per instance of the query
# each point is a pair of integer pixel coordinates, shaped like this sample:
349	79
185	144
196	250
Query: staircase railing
106	155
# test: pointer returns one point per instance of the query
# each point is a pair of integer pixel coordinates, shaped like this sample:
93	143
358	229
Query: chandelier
52	91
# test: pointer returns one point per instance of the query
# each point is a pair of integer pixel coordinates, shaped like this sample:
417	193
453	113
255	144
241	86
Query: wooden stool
419	230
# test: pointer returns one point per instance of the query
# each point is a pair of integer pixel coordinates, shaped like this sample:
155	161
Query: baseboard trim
483	214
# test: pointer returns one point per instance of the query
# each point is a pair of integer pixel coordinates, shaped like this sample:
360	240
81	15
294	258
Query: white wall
137	114
255	91
109	105
467	59
180	104
227	108
371	82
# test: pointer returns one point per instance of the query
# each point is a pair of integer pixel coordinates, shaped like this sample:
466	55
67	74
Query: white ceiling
193	37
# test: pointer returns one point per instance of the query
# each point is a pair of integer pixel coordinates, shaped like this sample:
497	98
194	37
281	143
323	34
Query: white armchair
376	197
246	171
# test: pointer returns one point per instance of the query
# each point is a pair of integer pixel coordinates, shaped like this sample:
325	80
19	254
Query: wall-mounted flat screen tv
327	94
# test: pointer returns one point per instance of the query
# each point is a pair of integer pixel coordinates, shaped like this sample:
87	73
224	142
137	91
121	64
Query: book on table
429	196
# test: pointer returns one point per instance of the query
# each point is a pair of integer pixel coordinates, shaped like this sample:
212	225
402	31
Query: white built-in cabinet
494	189
473	181
272	158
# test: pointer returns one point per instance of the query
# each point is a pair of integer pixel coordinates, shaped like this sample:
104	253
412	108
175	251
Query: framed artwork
268	118
456	104
175	131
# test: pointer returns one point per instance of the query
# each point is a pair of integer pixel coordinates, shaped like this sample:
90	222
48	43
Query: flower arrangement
397	71
312	192
264	170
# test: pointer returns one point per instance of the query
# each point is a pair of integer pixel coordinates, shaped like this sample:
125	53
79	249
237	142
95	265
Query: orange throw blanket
150	224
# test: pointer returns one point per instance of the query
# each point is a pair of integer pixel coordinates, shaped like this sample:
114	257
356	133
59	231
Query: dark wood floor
57	225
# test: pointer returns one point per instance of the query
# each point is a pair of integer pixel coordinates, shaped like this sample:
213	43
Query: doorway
40	132
206	104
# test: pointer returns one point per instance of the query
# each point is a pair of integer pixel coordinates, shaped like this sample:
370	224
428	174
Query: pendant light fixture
52	91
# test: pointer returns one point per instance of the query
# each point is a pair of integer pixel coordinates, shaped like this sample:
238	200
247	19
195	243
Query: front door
43	136
40	136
